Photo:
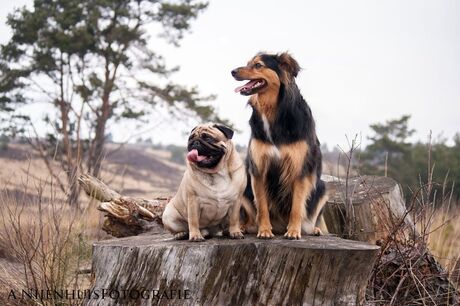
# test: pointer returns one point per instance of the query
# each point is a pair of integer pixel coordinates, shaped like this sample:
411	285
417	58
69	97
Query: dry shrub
406	271
44	242
418	263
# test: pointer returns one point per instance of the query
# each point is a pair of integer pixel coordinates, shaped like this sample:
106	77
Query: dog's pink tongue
248	84
193	156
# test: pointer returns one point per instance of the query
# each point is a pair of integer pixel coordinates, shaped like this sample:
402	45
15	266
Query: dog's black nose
234	72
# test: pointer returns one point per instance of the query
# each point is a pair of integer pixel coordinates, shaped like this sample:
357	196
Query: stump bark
311	271
368	208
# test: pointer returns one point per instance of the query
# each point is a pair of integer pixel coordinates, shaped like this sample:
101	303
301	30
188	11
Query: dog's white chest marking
267	128
273	151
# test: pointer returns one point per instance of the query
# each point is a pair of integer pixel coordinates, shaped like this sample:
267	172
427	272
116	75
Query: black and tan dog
284	157
210	193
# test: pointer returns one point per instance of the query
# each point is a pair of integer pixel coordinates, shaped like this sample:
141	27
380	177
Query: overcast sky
363	62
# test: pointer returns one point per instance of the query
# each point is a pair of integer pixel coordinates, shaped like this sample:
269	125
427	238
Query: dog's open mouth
206	161
251	87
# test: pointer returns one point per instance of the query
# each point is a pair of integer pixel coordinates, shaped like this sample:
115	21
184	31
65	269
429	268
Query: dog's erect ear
288	64
228	132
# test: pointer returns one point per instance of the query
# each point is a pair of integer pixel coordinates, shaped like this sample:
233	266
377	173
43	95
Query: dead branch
125	216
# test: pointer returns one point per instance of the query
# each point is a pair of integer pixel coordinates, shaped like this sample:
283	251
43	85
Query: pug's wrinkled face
208	145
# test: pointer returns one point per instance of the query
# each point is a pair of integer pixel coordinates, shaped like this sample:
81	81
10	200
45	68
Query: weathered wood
314	270
367	208
125	216
322	270
405	272
97	189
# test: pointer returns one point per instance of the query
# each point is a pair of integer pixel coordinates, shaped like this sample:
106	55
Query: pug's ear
228	132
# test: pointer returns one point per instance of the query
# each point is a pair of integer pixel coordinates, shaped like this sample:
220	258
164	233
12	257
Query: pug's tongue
193	156
246	86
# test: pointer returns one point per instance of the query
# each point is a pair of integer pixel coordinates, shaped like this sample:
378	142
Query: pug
211	191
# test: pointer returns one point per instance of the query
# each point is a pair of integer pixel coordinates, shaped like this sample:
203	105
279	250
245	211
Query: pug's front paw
236	235
196	237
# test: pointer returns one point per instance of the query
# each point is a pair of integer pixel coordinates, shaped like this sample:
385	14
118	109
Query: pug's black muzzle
213	152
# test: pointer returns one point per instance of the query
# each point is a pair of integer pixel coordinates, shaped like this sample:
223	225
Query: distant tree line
412	164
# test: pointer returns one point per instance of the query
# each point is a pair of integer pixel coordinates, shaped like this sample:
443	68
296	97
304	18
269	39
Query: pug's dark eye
206	137
257	65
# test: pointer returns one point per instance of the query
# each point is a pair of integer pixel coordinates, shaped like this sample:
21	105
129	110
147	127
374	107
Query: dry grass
444	242
423	269
133	170
43	241
418	263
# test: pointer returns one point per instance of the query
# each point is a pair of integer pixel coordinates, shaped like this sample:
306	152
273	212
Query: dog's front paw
317	231
181	235
236	235
196	237
265	234
293	234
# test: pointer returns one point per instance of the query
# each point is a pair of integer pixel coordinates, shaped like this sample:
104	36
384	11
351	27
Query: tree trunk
97	154
377	208
103	116
74	187
314	270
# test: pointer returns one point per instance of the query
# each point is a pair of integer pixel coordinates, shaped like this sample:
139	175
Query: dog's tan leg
234	220
263	215
302	189
194	219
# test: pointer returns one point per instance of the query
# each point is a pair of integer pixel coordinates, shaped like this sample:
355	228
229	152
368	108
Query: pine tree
91	62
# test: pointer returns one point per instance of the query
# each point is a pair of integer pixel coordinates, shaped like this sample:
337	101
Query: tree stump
372	209
316	270
157	270
367	208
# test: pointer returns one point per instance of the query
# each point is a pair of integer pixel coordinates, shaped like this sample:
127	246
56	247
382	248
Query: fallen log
124	216
312	271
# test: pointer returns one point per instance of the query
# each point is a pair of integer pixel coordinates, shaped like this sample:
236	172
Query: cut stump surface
314	270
